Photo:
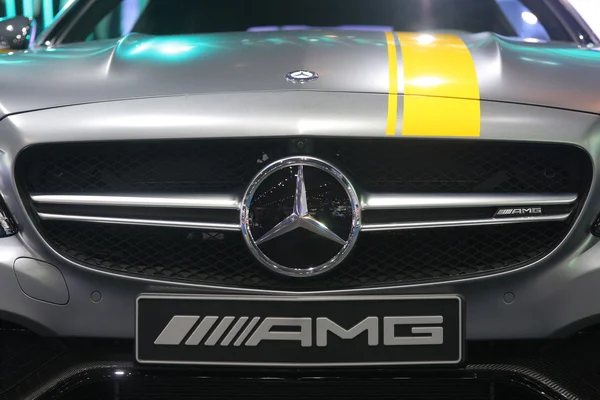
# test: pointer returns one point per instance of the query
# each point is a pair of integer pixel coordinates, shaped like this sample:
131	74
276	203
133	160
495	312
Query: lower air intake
415	389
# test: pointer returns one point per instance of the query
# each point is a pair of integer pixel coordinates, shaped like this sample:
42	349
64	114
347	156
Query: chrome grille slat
462	200
199	201
370	202
459	223
140	222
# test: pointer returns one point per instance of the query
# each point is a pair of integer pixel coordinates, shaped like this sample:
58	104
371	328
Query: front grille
378	259
399	166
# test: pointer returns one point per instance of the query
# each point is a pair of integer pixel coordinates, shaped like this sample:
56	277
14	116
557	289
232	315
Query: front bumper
555	301
556	296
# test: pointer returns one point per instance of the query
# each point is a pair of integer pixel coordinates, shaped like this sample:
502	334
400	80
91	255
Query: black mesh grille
201	166
378	258
433	166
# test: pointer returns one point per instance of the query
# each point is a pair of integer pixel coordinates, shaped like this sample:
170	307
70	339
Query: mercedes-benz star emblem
301	76
300	216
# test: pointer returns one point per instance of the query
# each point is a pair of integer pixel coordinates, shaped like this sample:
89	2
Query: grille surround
349	275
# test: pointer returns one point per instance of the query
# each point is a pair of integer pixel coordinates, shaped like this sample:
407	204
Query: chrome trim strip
420	201
144	222
459	223
369	201
225	202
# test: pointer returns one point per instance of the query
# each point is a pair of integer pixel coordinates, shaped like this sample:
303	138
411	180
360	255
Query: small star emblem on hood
301	76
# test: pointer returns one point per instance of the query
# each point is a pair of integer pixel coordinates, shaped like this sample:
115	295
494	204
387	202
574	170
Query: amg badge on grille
523	211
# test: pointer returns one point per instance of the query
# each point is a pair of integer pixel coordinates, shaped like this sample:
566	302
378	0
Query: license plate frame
163	309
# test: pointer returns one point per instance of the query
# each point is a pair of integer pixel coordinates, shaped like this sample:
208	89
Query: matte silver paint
41	281
354	62
269	114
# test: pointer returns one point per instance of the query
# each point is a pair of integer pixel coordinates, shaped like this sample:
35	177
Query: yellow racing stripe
441	91
393	90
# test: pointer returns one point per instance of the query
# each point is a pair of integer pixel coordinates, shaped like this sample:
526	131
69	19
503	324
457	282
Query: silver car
262	193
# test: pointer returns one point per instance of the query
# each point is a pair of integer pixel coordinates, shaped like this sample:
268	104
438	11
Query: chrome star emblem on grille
300	216
301	76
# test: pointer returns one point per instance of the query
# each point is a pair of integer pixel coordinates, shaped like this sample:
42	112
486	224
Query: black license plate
300	331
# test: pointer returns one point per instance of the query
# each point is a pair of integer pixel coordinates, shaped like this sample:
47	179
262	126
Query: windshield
105	19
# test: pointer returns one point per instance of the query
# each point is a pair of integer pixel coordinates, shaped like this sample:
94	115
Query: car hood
137	66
